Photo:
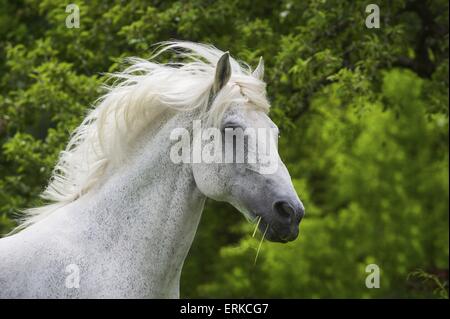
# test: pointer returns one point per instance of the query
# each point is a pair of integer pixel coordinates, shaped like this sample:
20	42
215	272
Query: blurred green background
364	131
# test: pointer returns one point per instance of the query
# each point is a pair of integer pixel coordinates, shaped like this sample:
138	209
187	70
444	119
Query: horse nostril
284	210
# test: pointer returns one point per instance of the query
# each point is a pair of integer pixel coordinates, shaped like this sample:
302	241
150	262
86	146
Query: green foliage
363	114
440	288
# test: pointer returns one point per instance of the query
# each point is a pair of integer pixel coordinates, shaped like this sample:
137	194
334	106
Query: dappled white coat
128	238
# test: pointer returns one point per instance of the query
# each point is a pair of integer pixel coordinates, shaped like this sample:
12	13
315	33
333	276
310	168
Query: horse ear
259	71
223	72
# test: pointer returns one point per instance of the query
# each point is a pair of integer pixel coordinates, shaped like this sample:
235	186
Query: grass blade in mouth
257	224
260	243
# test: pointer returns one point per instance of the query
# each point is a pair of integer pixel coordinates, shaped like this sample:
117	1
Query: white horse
123	215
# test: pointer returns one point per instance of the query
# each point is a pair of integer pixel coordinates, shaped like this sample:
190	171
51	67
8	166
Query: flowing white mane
138	96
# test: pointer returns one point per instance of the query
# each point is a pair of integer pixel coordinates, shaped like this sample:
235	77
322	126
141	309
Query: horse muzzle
282	224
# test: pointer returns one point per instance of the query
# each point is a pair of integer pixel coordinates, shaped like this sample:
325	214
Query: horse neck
150	209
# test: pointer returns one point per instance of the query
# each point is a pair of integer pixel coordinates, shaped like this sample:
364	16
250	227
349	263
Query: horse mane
134	99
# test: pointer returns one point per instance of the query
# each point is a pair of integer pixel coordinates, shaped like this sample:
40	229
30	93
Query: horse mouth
276	233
